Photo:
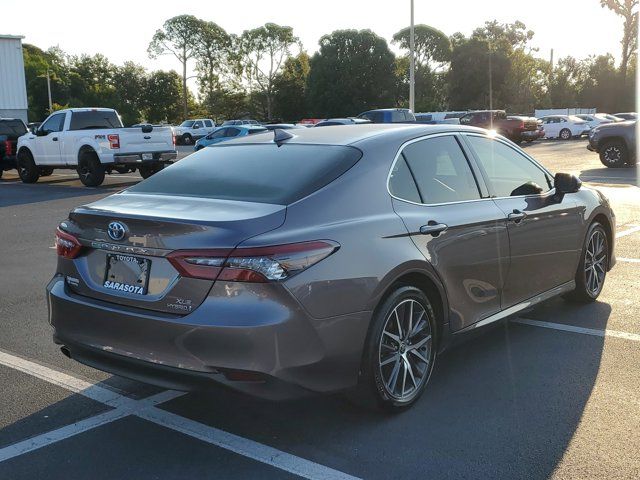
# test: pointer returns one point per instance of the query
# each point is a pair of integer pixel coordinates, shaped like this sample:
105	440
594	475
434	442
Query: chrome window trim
454	133
426	137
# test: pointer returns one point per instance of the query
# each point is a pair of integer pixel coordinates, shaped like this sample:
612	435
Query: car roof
353	134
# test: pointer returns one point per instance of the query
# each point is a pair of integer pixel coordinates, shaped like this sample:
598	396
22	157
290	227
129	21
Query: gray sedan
342	258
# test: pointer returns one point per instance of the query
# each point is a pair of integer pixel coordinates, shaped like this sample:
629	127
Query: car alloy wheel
565	134
595	262
613	154
404	351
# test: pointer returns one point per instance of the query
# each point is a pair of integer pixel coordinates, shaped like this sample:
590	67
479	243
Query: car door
454	223
208	126
544	228
46	143
550	127
198	129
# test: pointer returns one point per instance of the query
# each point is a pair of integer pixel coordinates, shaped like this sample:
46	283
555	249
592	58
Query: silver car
329	259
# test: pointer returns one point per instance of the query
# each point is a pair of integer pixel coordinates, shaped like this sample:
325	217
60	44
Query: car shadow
17	193
504	404
616	176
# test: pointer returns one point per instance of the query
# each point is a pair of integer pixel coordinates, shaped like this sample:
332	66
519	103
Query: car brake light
173	139
67	245
522	125
114	140
257	265
8	148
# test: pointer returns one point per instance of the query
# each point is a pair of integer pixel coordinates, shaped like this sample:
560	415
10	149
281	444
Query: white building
13	87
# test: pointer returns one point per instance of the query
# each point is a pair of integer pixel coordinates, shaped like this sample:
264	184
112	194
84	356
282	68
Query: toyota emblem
117	231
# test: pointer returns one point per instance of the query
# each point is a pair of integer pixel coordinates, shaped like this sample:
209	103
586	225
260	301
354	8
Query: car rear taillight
522	125
67	245
8	148
173	139
258	265
114	140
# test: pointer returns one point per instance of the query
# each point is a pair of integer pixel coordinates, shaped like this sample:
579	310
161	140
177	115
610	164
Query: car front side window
510	172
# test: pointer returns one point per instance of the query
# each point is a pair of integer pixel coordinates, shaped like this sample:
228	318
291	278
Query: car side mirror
41	133
566	183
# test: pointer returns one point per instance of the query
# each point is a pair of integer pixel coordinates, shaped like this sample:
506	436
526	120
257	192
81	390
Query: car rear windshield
94	119
12	127
253	173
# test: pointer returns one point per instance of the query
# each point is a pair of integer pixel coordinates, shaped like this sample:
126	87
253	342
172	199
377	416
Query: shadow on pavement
12	194
619	176
505	404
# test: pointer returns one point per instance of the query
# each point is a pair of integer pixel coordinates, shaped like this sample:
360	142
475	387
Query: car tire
565	134
187	139
147	170
395	371
90	170
614	154
28	171
593	266
46	171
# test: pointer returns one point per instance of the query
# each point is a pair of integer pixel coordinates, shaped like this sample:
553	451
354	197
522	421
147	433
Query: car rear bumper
254	338
136	158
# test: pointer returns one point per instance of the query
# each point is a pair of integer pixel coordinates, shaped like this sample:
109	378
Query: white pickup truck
93	142
191	130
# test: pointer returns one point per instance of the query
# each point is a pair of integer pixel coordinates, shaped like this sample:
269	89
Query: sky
121	30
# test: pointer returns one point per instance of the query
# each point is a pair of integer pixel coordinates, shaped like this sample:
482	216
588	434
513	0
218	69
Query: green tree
628	10
354	70
432	47
477	75
290	88
162	97
263	51
177	38
130	85
212	55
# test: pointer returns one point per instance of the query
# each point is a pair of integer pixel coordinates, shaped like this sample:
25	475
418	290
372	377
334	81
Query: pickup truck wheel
46	171
27	168
187	139
565	134
613	154
90	170
147	170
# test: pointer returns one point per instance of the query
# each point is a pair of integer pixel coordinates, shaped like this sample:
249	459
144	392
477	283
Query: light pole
412	65
49	92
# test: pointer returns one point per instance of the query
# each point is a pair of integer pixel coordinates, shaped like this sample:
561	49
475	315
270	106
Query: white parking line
630	260
585	331
624	233
146	409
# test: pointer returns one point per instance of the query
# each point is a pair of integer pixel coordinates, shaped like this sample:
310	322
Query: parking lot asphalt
554	393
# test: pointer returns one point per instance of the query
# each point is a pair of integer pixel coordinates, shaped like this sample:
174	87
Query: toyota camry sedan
343	258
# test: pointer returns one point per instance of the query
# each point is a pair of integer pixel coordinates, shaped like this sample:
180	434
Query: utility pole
49	91
412	65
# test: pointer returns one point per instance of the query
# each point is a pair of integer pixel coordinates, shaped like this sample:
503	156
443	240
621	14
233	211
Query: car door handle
55	139
516	216
433	228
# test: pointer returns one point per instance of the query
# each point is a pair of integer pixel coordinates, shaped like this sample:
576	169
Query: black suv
615	143
10	130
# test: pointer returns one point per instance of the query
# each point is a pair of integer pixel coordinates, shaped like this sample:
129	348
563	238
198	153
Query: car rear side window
94	119
441	171
509	171
401	182
263	173
13	128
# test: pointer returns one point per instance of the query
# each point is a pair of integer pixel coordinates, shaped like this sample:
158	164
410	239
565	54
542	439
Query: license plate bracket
127	274
147	156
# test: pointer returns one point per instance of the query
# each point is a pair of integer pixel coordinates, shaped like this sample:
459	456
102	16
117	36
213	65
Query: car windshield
187	123
262	173
12	127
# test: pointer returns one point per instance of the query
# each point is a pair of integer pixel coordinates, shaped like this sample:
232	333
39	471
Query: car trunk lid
110	269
